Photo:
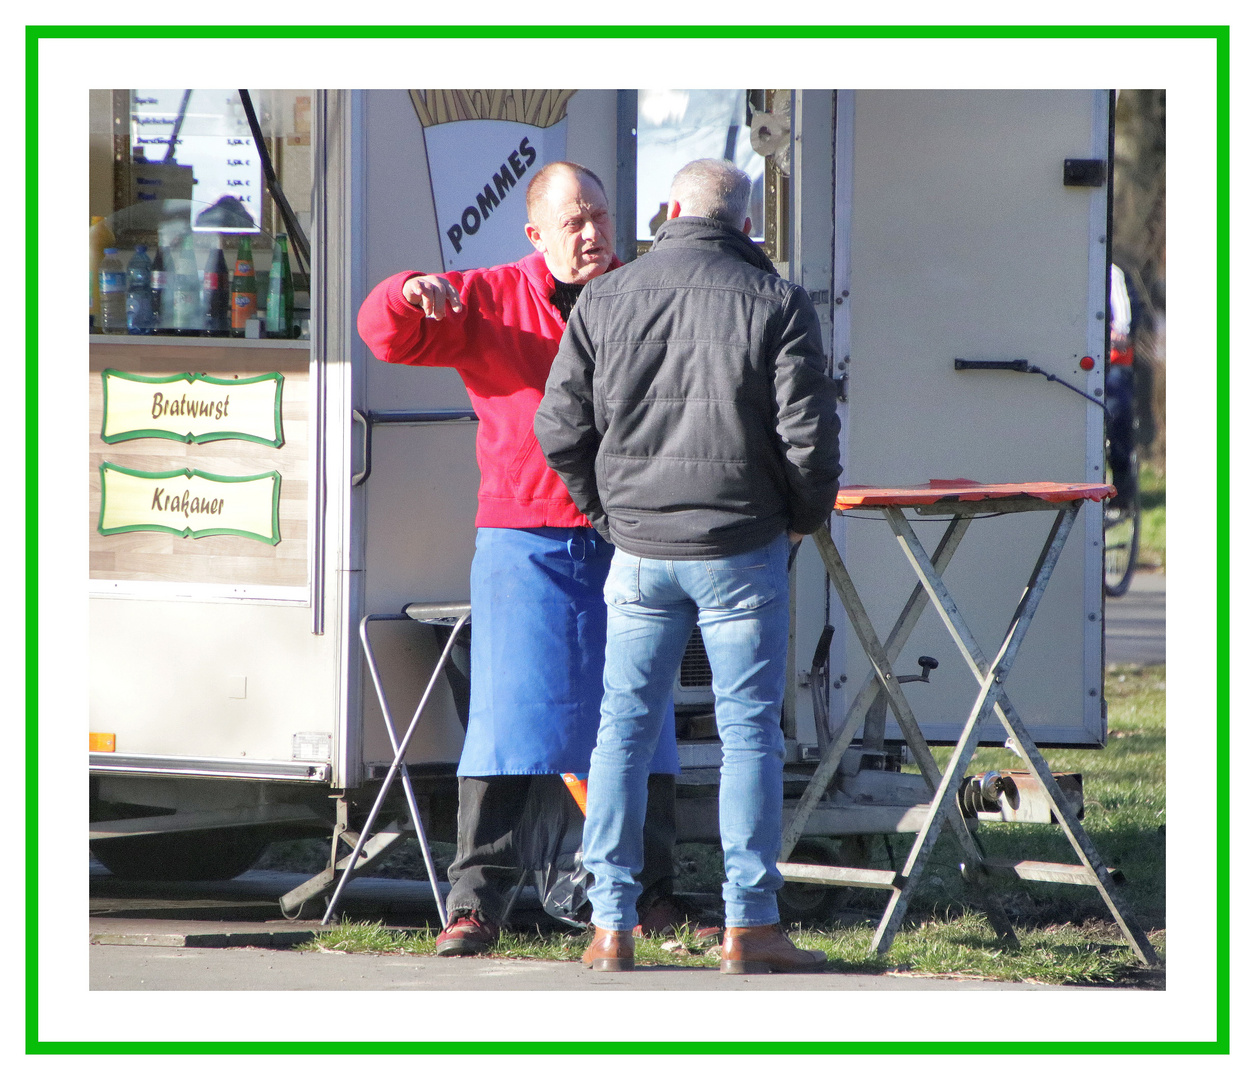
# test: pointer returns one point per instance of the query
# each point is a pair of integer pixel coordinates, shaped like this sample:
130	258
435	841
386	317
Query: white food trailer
234	557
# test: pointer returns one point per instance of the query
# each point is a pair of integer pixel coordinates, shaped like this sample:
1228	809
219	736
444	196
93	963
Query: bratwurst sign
192	408
483	148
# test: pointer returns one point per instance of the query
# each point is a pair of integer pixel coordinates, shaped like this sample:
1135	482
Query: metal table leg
991	689
826	770
993	699
883	668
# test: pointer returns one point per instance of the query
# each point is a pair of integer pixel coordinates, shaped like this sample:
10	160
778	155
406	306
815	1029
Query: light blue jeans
741	604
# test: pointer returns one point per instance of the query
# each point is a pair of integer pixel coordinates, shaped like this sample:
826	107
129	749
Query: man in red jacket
539	618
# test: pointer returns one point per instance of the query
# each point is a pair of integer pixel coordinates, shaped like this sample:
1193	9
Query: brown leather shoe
756	950
611	950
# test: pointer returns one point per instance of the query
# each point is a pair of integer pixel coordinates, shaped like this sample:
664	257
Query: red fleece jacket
502	344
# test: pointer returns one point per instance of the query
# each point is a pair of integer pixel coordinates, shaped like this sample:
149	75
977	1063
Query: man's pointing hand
433	295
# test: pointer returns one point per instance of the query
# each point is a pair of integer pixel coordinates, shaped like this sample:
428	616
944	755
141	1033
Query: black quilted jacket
687	410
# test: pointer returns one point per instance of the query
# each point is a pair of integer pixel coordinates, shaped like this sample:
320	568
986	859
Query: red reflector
1087	363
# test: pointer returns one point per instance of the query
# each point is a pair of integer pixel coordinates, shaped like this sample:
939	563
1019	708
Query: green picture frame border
273	539
191	377
1221	1045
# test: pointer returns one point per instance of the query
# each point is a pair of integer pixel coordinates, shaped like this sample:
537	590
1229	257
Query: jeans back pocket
747	581
623	583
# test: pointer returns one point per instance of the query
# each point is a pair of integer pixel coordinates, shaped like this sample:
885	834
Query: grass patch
1152	548
1125	816
962	946
1067	936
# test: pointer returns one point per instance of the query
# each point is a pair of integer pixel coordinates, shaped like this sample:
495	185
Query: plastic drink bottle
139	293
161	285
186	318
280	294
112	293
243	288
216	295
99	238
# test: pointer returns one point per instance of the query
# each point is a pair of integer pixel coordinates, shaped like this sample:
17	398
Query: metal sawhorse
961	500
456	616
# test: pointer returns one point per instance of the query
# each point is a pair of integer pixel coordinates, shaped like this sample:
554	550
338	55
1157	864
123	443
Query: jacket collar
694	230
537	272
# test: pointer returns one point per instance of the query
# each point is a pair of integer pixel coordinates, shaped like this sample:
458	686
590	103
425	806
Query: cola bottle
216	295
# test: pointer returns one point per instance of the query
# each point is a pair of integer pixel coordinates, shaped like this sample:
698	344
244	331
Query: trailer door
963	239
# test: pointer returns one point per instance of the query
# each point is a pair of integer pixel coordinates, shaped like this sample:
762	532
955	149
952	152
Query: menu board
199	467
197	145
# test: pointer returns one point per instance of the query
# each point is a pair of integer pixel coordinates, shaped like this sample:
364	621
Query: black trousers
488	863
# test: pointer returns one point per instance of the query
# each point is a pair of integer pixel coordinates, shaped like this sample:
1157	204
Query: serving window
181	173
200	452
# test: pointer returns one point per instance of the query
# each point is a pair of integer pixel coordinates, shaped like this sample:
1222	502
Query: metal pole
397	763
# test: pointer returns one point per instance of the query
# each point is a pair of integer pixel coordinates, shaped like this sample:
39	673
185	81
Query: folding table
961	501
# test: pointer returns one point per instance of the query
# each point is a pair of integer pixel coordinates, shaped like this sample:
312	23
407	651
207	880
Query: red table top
968	491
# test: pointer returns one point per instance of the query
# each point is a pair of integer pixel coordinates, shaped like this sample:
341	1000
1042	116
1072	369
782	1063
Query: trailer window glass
675	127
179	172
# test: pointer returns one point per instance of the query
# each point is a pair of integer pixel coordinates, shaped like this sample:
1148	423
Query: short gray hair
713	188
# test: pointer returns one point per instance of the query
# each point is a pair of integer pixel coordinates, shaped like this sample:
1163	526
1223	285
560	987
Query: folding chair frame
431	614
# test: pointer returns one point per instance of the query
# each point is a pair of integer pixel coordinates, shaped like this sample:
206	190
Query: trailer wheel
814	904
183	856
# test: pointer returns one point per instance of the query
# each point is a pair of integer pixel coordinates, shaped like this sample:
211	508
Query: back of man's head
712	188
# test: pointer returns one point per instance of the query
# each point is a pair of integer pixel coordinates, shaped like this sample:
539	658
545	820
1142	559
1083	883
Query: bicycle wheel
1122	524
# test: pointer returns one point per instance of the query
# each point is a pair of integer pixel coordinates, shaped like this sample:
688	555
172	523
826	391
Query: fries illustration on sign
483	148
539	108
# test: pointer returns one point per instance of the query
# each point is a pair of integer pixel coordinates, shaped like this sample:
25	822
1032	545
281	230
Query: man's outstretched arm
406	316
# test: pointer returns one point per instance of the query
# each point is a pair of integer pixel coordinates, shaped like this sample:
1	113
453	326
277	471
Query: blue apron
538	645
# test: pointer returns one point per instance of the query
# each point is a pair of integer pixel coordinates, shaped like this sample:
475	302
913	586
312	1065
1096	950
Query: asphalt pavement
1137	622
124	967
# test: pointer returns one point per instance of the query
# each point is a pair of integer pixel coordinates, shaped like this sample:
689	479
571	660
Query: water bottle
112	293
161	293
216	295
243	288
139	293
187	314
99	238
280	294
